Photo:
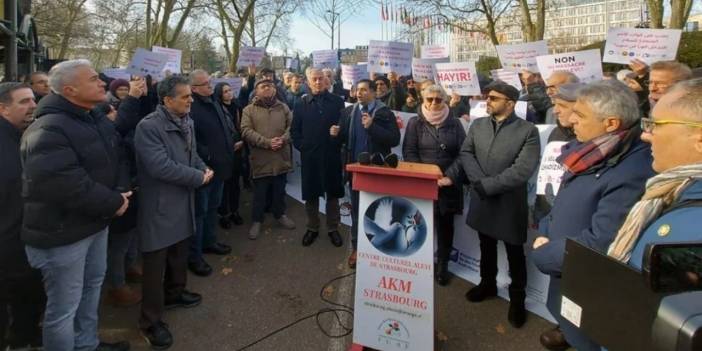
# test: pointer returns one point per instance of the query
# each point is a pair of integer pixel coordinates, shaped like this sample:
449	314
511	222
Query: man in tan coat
265	126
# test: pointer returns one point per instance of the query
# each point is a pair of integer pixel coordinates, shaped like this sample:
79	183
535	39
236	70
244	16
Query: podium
394	295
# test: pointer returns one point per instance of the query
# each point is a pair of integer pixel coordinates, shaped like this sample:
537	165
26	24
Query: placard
325	59
648	45
435	51
423	69
145	62
459	77
584	64
351	74
117	73
390	56
174	58
478	109
516	57
548	180
509	77
235	83
250	55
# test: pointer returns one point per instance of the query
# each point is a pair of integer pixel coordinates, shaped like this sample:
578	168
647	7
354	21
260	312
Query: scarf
265	101
182	123
435	118
583	156
661	191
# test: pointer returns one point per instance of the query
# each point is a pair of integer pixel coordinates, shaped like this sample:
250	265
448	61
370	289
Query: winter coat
292	98
169	172
73	174
541	103
216	135
12	256
320	153
383	133
258	126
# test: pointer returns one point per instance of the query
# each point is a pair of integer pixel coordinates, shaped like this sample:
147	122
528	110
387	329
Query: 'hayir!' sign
458	77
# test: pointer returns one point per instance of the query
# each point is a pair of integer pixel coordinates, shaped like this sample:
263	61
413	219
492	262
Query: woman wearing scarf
606	170
435	137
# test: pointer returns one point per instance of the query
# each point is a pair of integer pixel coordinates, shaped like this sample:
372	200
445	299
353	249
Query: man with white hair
540	95
71	190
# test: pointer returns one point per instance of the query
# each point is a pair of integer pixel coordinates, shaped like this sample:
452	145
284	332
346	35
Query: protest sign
145	62
478	109
509	77
235	83
390	56
351	74
548	180
517	57
648	45
435	51
459	77
292	64
584	64
423	69
249	55
325	59
174	58
117	73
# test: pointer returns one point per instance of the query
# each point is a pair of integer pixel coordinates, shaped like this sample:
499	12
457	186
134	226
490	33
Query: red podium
394	296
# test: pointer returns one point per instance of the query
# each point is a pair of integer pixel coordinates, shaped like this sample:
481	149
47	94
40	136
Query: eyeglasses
436	100
648	124
495	98
662	85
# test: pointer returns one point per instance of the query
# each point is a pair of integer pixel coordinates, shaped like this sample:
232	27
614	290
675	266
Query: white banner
117	73
351	74
249	55
584	64
517	57
325	59
145	62
509	77
459	77
235	83
423	69
548	180
390	56
174	58
648	45
435	51
394	301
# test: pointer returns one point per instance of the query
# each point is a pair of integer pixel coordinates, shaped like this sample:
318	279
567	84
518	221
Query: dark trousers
488	263
22	301
207	200
165	275
444	235
268	188
230	196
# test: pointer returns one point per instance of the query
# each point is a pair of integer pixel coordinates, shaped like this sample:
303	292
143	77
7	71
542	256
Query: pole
338	43
11	43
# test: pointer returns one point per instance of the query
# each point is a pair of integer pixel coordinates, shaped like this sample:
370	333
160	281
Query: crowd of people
110	181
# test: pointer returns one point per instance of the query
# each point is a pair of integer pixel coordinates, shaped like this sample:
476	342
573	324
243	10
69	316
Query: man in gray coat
499	155
169	171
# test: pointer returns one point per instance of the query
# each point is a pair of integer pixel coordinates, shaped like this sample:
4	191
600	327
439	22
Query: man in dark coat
216	137
499	155
366	126
320	154
169	171
72	187
596	192
20	286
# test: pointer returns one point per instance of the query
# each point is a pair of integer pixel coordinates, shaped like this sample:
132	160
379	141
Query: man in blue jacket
606	171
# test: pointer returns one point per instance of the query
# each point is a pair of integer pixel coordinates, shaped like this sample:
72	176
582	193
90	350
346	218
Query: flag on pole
382	12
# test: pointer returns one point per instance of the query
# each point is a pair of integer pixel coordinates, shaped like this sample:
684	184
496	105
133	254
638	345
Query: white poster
351	74
648	45
516	57
117	73
478	109
584	64
390	56
235	83
423	69
145	62
459	77
548	180
435	51
394	299
509	77
174	58
325	59
249	55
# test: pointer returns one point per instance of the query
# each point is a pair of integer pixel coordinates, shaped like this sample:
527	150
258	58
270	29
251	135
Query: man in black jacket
216	136
72	187
20	286
366	126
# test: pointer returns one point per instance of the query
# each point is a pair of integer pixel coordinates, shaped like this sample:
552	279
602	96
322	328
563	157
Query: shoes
236	219
158	336
117	346
286	222
255	230
554	340
218	249
309	238
443	276
134	274
225	223
200	268
481	292
35	345
124	296
517	314
352	259
335	238
186	299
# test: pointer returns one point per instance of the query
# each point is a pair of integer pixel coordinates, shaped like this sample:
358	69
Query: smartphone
673	267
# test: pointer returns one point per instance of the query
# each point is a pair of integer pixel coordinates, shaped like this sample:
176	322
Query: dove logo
395	226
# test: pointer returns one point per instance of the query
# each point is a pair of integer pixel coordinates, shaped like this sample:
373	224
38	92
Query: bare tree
160	14
61	22
270	21
233	16
679	13
327	15
655	12
533	20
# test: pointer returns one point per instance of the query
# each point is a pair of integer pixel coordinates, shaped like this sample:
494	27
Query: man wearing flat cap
499	155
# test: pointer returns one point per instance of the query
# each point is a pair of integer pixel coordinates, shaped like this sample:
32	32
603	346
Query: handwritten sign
117	73
146	62
478	109
325	59
550	172
435	51
235	83
517	57
174	58
648	45
459	77
584	64
390	56
509	77
351	74
423	69
249	55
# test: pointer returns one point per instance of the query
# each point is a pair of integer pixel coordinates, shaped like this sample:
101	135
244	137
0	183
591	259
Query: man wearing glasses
499	155
660	77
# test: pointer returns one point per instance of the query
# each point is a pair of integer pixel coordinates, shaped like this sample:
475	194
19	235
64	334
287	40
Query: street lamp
335	15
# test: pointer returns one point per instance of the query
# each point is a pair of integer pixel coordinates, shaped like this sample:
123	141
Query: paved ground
265	284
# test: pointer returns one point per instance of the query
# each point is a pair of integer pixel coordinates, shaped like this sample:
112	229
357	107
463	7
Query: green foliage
487	63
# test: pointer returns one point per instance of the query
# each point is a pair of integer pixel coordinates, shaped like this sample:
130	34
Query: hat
503	88
116	84
263	80
568	92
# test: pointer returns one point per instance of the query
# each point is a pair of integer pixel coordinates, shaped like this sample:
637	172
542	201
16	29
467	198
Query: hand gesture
334	131
276	143
529	77
455	99
125	204
137	87
207	177
445	181
393	78
540	241
238	145
366	120
252	70
639	67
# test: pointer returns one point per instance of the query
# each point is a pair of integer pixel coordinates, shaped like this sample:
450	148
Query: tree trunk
679	12
148	23
527	23
540	19
655	11
181	23
73	12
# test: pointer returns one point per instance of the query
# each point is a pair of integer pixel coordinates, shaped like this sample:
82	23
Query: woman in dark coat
435	137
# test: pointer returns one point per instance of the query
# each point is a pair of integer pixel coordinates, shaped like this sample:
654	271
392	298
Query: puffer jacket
258	126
